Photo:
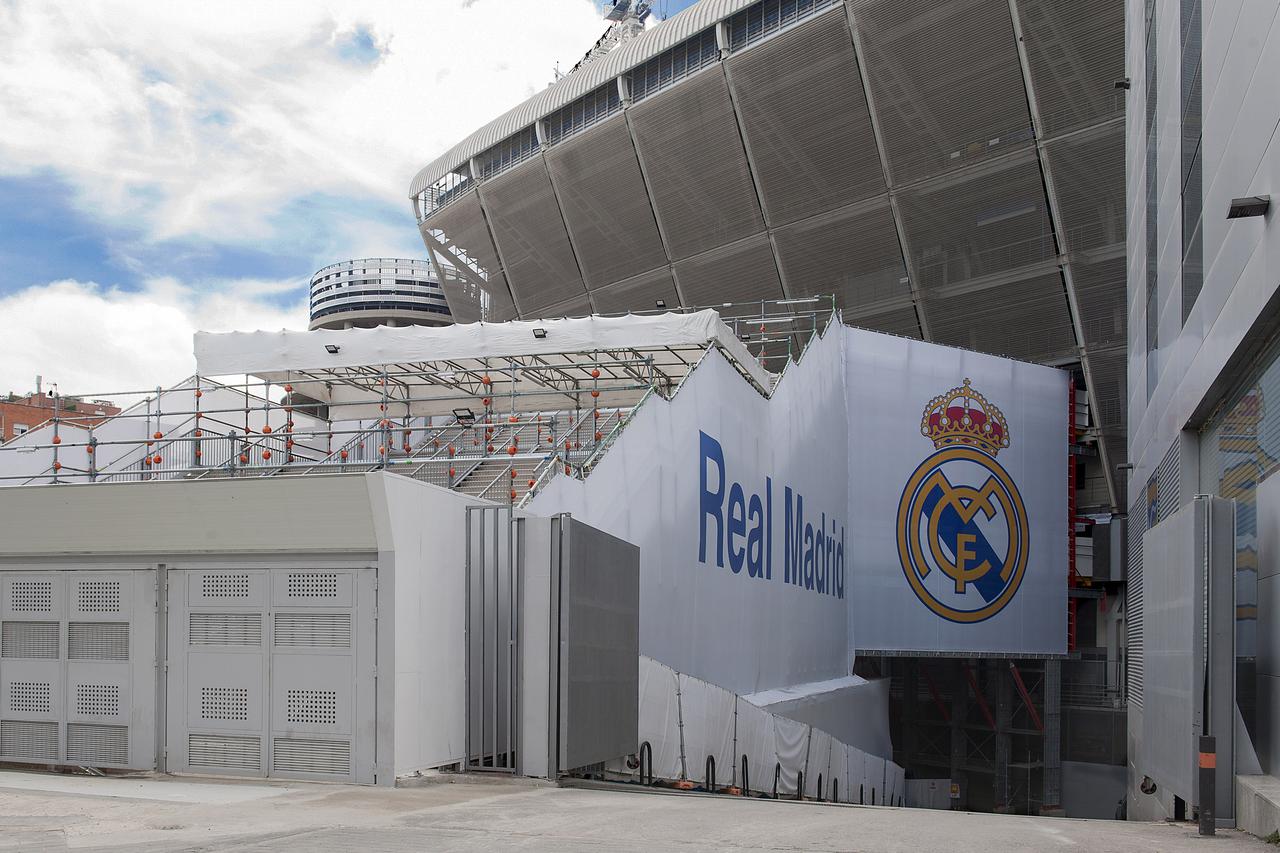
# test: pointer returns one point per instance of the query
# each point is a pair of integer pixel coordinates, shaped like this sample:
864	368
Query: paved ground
40	812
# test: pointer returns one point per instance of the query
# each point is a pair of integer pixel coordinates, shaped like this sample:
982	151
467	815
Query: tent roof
434	370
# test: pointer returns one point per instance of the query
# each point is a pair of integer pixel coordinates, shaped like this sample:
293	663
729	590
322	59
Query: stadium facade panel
948	170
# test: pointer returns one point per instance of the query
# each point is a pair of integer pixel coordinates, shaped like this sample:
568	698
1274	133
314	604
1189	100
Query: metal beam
907	265
1055	220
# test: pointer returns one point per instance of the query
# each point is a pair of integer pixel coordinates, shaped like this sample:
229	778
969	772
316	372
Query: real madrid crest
962	526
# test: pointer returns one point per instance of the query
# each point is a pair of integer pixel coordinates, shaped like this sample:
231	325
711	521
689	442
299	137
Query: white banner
742	527
875	501
958	497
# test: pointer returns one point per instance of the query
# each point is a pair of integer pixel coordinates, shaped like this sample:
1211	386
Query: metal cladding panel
854	254
530	234
1026	319
898	321
1088	177
600	647
738	273
982	223
1108	371
1075	51
574	306
689	141
602	193
946	82
806	121
1100	293
462	225
638	293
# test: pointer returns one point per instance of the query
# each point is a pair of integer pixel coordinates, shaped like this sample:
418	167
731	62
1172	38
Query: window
584	112
1192	189
1152	188
674	65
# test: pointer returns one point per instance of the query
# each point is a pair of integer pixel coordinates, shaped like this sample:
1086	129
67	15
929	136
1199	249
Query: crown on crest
963	416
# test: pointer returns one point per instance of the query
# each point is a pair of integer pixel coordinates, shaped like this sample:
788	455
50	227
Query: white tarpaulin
958	499
704	710
853	709
791	750
754	727
433	369
818	765
660	716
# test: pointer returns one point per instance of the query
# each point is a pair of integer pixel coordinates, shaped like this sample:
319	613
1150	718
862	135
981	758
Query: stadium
860	401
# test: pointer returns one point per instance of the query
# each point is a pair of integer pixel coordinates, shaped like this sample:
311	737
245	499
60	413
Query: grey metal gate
77	667
271	672
495	557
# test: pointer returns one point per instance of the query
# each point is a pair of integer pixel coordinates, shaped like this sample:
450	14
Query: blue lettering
808	556
711	503
755	536
737	526
792	535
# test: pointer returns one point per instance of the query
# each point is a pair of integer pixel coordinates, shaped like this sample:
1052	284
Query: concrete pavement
43	812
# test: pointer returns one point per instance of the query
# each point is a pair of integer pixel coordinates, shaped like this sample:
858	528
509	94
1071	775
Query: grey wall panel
574	306
806	121
854	254
638	293
600	647
946	82
1088	176
737	273
529	230
697	168
1025	319
462	225
977	224
606	207
1109	371
1075	50
897	321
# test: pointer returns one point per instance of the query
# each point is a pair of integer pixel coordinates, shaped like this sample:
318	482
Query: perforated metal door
272	672
77	668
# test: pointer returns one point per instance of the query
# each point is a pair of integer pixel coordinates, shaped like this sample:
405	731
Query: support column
910	692
1004	718
959	737
1052	737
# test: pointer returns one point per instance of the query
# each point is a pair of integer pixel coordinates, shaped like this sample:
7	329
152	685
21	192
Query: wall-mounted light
660	303
332	349
1123	83
1250	205
539	333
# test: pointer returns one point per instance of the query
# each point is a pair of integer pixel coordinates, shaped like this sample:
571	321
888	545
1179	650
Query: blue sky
166	167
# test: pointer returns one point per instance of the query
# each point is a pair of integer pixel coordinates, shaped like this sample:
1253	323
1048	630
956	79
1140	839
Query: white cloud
93	340
205	119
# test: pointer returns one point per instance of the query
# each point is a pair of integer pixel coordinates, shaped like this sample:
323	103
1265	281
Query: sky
173	166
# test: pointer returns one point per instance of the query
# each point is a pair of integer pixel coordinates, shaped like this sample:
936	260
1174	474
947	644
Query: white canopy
542	364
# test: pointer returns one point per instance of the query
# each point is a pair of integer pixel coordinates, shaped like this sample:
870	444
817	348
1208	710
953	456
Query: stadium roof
949	169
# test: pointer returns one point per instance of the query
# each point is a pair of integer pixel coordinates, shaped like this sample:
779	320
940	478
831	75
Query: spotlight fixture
464	416
332	349
660	303
1123	83
539	333
1250	205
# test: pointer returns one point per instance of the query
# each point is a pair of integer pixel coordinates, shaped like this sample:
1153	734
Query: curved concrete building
377	292
949	169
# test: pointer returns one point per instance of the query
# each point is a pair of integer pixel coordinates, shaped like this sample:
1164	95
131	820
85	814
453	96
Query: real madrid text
736	526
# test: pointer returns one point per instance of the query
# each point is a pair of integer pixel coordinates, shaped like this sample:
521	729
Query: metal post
1004	719
1052	736
959	737
1208	784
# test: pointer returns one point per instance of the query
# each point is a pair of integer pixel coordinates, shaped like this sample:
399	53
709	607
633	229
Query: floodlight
1250	205
464	416
661	303
539	333
332	349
